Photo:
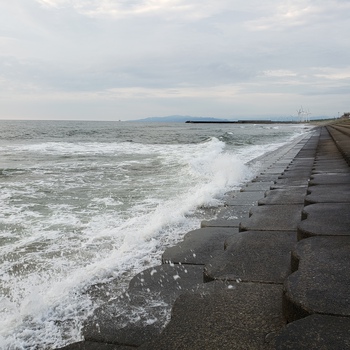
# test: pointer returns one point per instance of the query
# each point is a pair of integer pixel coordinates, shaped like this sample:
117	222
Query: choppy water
87	202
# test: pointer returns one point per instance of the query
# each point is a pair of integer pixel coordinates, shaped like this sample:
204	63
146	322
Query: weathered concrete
273	218
198	246
321	283
330	178
289	185
291	182
299	173
140	313
257	186
234	212
247	316
301	162
87	345
284	196
253	256
316	332
334	193
234	223
245	198
325	219
333	166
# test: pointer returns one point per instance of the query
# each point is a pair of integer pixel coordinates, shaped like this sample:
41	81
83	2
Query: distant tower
308	115
303	115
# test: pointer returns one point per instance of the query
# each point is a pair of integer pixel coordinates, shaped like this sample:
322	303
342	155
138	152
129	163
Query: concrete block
247	316
330	178
316	332
253	256
257	186
220	223
334	193
234	212
141	313
87	345
322	282
296	174
198	246
325	219
273	218
284	196
245	198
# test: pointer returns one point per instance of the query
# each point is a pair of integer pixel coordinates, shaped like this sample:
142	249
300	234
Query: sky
132	59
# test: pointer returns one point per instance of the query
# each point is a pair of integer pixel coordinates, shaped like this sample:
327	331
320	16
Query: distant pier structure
230	122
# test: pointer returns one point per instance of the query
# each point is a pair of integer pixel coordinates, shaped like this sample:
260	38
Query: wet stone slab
198	246
246	316
285	186
221	223
274	170
325	219
265	178
257	186
339	166
273	218
292	182
296	173
87	345
253	256
330	178
142	312
335	193
316	332
302	162
321	283
244	198
234	212
284	196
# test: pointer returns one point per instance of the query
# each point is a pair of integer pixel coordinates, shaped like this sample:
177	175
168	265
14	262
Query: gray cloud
172	54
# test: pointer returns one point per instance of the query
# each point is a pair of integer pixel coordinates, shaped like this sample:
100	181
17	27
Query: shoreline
239	267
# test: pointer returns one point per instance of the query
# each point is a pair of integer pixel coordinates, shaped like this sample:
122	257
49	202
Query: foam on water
60	249
75	214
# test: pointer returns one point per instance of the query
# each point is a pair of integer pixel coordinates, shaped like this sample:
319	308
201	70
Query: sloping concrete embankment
271	272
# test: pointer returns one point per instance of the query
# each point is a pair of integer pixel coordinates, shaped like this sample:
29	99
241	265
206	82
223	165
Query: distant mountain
177	119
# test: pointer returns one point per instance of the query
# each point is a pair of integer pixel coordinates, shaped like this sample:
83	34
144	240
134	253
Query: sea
84	203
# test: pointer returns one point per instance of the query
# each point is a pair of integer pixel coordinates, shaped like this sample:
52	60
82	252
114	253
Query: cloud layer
104	59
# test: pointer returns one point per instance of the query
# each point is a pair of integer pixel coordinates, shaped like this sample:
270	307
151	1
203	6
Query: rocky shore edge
271	272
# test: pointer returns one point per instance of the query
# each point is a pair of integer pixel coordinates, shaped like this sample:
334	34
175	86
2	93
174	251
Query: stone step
321	283
245	198
198	246
284	196
331	177
273	218
316	332
140	313
330	193
242	316
324	219
88	345
253	256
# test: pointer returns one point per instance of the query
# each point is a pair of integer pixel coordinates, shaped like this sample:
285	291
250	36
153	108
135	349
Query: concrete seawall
271	272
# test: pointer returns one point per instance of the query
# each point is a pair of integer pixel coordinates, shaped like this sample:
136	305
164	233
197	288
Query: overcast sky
131	59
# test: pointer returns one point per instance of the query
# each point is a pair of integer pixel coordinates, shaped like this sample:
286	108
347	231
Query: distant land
185	118
178	119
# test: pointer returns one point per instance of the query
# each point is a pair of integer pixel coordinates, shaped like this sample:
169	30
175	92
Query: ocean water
85	203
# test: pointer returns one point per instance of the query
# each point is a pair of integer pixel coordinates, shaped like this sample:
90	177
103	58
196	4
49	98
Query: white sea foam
86	213
49	277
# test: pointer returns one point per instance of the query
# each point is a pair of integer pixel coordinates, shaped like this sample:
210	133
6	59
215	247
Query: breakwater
234	122
271	272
